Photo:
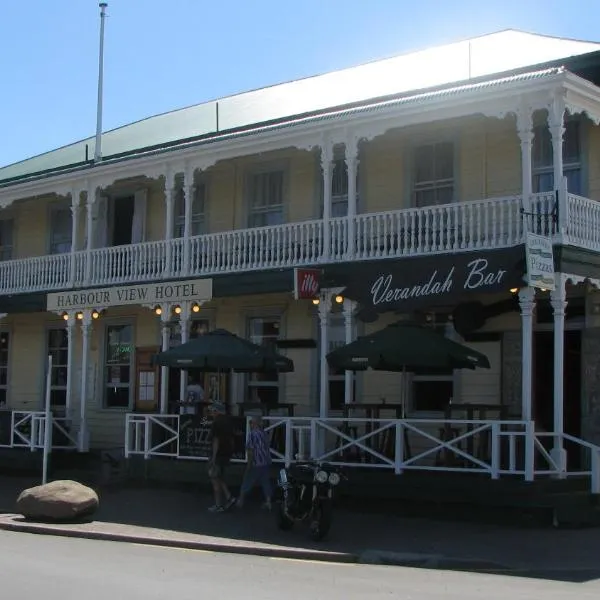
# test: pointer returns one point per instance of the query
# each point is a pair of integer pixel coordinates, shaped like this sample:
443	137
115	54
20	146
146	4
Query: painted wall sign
418	283
144	293
540	262
307	283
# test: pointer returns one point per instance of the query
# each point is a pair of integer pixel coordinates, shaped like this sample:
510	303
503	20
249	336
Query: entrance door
543	389
146	380
123	209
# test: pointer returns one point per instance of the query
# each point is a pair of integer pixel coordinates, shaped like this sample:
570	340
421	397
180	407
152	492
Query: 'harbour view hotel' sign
197	290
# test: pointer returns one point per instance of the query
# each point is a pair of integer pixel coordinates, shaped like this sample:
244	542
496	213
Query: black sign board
437	280
195	438
5	427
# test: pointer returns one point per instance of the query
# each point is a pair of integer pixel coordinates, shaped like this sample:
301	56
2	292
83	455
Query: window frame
332	324
434	184
132	365
12	221
52	243
261	170
250	382
199	218
50	328
538	171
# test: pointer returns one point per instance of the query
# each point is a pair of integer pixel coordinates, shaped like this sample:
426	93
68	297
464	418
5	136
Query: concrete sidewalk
176	518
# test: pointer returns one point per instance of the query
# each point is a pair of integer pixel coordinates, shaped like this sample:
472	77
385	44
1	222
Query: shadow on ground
381	538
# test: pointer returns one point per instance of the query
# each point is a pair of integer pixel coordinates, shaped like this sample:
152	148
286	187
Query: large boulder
58	501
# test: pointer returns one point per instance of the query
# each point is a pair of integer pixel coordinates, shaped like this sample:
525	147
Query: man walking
222	451
259	463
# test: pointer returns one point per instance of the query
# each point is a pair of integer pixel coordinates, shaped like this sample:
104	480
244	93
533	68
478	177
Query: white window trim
266	315
49	328
548	169
434	184
198	218
54	208
282	208
102	379
12	247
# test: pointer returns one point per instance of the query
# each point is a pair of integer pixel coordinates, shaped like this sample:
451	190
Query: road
54	568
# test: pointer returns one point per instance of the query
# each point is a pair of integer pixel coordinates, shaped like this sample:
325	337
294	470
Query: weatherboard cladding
214	136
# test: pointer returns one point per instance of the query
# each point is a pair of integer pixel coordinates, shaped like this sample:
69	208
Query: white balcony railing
475	225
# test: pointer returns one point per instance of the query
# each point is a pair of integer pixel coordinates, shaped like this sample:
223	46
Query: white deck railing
28	430
494	448
473	225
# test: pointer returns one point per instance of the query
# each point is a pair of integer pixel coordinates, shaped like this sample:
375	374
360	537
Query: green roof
462	61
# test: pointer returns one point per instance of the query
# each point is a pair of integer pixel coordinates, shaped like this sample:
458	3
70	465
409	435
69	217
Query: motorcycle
306	496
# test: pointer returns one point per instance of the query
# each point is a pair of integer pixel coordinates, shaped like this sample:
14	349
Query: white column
70	326
169	221
86	330
324	309
556	125
165	317
90	208
558	299
525	131
184	320
188	190
352	164
327	168
74	236
349	330
527	304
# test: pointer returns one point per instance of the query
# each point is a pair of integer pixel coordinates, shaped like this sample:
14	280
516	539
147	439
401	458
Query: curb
430	561
268	552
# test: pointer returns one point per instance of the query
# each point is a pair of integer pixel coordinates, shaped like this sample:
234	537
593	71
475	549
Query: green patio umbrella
405	347
220	350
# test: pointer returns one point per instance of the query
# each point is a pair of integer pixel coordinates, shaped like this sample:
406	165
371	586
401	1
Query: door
147	382
123	210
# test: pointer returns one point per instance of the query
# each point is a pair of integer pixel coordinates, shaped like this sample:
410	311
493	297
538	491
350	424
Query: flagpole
98	148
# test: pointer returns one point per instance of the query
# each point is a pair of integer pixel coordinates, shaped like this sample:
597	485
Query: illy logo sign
307	283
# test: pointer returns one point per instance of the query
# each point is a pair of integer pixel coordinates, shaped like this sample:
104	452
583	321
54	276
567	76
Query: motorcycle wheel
283	521
321	522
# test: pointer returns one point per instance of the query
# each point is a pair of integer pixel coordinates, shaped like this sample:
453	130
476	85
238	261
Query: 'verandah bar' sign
197	290
428	281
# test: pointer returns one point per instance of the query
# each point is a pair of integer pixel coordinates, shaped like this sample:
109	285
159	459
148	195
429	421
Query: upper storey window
198	226
60	230
266	196
542	158
433	174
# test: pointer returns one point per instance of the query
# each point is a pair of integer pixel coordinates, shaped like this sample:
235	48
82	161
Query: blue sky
160	56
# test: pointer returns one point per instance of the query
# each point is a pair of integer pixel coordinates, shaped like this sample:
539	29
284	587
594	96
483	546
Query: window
266	199
60	230
198	225
118	362
434	174
542	157
4	350
6	239
57	346
336	337
264	387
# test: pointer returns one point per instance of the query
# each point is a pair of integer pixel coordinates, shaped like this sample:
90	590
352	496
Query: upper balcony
485	224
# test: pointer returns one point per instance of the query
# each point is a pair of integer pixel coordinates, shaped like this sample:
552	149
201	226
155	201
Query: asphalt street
53	568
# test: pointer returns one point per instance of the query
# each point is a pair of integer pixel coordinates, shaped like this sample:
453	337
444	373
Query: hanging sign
540	262
307	283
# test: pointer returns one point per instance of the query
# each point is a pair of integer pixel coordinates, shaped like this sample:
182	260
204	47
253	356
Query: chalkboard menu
5	427
195	438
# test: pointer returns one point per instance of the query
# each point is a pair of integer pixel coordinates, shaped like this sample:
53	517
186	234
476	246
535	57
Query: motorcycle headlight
321	476
334	478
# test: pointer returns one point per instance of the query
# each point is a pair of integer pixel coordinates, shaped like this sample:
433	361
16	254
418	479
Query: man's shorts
216	470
